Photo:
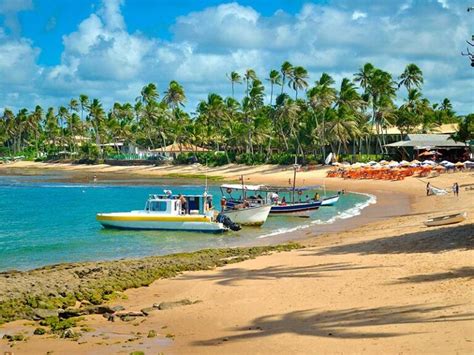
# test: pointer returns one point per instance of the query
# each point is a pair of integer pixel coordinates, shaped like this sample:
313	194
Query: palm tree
174	96
96	117
286	72
249	75
234	78
275	79
298	80
84	102
411	76
364	77
321	98
36	118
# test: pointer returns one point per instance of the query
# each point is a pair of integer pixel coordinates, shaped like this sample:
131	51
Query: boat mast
294	178
206	178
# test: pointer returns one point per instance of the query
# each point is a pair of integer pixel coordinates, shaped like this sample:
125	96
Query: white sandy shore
389	286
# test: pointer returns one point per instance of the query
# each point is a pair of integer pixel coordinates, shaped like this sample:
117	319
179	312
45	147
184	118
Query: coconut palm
298	80
96	117
84	103
411	76
174	96
321	98
234	78
249	75
275	79
286	72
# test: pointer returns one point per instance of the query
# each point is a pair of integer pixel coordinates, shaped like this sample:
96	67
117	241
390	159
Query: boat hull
445	220
330	201
149	221
251	216
296	208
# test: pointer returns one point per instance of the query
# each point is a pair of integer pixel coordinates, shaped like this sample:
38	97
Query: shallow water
43	222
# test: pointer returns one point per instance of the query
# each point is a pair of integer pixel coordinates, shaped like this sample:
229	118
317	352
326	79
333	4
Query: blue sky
52	50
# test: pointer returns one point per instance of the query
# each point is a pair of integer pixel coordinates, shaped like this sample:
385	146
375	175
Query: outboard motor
227	222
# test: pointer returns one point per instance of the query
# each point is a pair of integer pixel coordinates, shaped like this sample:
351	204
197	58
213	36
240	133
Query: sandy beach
384	284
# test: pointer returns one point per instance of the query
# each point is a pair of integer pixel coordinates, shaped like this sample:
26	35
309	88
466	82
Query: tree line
291	117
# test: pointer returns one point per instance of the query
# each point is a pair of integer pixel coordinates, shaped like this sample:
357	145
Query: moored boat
167	213
248	216
444	220
329	201
258	195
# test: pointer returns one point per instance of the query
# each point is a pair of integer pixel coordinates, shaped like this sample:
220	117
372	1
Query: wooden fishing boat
444	220
330	201
260	195
167	213
248	216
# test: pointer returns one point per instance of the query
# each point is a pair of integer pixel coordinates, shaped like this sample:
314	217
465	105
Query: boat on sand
248	215
444	220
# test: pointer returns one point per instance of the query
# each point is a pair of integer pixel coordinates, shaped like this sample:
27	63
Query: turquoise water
43	223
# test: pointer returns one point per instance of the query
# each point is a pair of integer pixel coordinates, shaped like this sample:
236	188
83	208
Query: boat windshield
156	206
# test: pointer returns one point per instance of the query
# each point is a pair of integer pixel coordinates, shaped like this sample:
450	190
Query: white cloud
103	59
358	15
443	3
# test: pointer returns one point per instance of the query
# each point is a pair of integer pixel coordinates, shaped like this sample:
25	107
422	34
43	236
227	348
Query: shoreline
386	205
389	284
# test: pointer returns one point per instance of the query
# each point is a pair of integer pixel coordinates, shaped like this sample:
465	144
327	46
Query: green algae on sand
60	286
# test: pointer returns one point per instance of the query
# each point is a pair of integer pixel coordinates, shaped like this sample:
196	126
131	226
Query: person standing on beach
456	189
428	189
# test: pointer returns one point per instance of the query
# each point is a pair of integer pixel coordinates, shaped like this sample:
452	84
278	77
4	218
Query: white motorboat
248	216
444	220
167	213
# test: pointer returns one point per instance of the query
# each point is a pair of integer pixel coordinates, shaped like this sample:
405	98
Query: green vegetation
264	127
58	325
115	276
151	334
39	331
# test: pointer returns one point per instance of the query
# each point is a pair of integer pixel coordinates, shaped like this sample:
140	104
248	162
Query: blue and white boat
267	195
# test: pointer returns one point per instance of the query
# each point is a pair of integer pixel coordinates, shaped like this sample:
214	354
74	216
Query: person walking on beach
428	189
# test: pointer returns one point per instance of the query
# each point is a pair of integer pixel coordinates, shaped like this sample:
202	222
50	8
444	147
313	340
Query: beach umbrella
404	163
459	164
449	164
429	162
383	162
372	162
393	164
415	161
444	162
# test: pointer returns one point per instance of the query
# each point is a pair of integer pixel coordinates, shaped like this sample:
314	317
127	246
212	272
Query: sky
54	50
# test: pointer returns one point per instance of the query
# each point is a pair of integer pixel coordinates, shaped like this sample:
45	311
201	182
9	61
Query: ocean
44	222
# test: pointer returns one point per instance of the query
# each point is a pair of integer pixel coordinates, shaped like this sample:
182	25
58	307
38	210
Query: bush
89	151
209	158
251	159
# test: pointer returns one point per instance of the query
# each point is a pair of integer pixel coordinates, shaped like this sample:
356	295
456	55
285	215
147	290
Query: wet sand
388	285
